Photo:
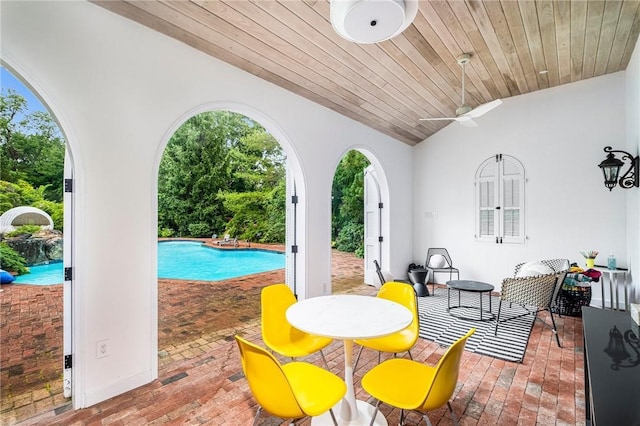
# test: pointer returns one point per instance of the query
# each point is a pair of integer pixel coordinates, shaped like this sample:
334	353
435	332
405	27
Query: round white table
349	317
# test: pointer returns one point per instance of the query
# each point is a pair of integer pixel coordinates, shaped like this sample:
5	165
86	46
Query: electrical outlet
102	349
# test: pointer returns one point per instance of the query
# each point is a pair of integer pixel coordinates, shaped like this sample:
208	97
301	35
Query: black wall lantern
611	169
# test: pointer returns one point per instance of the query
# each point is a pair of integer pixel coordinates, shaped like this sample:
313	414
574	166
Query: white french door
372	225
67	318
291	238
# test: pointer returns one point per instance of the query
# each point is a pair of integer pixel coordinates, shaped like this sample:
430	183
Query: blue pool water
186	261
42	275
192	261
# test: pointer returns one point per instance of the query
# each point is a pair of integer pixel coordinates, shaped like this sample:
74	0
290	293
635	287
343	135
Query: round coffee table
472	287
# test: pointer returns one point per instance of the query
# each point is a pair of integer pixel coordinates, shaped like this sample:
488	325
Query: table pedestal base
365	412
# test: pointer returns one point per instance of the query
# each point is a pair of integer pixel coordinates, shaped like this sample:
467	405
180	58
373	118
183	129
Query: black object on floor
419	278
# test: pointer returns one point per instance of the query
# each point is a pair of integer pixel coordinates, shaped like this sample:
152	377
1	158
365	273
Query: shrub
199	230
351	238
11	261
55	210
166	233
23	230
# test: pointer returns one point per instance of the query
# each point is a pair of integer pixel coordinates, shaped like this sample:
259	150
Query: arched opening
36	200
359	220
228	183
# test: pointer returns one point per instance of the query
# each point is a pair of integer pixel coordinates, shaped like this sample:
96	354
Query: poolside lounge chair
227	241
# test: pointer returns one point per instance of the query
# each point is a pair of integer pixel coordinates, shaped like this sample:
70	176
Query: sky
9	81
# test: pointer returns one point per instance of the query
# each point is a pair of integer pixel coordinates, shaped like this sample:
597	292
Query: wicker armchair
538	291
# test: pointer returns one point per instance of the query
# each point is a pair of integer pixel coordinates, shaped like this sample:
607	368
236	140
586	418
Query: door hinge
68	185
380	205
294	249
380	239
68	361
294	199
68	273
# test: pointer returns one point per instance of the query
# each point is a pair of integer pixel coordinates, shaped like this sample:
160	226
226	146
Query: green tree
276	214
193	169
222	172
18	194
257	198
31	149
219	173
347	203
258	215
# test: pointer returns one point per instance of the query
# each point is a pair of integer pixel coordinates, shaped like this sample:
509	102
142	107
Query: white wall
633	147
559	135
119	90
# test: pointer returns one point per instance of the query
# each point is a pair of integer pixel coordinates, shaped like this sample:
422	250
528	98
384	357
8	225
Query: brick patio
200	379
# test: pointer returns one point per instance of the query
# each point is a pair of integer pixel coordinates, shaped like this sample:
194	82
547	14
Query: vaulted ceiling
516	47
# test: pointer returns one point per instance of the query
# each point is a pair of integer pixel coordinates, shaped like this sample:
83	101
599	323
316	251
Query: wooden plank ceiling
516	46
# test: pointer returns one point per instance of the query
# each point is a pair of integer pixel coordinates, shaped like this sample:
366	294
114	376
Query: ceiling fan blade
468	123
483	109
438	119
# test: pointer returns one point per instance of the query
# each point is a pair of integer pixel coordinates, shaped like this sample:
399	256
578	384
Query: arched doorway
206	307
359	219
47	338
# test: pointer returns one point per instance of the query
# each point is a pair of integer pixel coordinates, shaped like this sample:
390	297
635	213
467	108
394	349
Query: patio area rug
437	325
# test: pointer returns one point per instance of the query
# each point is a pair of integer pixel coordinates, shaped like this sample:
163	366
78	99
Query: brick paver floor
200	378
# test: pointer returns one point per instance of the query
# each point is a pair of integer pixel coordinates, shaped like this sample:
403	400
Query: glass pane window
486	223
511	223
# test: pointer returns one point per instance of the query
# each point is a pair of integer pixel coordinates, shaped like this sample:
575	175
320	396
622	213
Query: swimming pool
192	261
184	260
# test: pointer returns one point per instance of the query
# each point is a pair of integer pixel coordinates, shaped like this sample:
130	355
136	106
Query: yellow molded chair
280	336
403	340
290	391
411	385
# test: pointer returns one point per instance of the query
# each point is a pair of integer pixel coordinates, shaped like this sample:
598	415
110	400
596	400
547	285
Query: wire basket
571	300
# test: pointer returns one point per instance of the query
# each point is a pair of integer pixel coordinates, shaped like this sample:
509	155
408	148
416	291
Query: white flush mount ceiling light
372	21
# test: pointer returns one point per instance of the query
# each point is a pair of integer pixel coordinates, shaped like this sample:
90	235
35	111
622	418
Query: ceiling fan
464	113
